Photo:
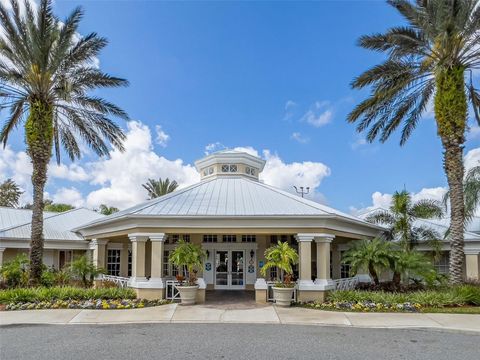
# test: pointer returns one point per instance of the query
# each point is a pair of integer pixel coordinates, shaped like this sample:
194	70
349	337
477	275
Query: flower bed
364	306
99	304
44	294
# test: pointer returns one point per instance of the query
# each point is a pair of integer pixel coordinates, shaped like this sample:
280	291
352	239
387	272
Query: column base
261	289
150	294
311	295
324	284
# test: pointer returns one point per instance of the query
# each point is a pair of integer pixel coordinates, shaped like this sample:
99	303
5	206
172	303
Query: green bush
63	293
448	296
15	272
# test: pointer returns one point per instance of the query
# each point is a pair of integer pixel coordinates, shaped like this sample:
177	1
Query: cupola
230	163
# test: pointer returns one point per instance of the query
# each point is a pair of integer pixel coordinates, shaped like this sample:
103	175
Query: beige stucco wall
472	266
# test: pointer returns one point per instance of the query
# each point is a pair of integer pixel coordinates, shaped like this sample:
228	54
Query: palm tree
374	255
9	193
283	257
405	263
471	193
47	72
85	270
401	216
107	210
432	57
189	256
157	188
57	207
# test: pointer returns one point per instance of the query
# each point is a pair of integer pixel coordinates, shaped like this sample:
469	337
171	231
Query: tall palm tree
47	73
157	188
471	193
432	57
401	216
9	193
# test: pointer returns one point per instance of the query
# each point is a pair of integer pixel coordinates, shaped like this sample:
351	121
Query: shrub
63	293
48	277
448	296
85	270
15	272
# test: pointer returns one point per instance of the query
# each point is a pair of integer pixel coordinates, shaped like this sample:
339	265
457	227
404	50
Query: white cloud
72	172
121	176
69	196
290	106
319	114
286	175
212	147
471	159
297	136
162	137
360	142
473	132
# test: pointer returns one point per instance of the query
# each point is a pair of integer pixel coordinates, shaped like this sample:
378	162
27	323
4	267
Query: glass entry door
230	269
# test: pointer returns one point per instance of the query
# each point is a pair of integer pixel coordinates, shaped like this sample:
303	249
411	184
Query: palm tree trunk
39	135
373	274
397	278
451	117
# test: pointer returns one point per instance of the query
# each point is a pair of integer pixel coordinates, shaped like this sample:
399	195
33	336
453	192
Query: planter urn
283	296
188	294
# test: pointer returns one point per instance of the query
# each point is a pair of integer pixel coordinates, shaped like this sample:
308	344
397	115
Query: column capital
324	238
304	237
138	237
2	249
97	242
158	237
471	251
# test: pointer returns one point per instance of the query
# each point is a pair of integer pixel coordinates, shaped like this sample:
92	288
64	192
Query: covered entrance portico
235	218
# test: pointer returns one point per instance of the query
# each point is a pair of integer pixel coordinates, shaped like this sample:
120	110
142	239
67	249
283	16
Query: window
64	258
113	262
250	171
169	270
344	268
129	268
208	238
273	273
441	265
205	172
249	238
229	168
229	238
173	238
210	171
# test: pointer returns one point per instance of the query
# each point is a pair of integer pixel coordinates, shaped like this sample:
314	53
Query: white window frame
113	262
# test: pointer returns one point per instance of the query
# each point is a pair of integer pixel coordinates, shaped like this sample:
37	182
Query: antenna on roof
303	191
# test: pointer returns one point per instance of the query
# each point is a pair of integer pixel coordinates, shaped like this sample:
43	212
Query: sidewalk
174	313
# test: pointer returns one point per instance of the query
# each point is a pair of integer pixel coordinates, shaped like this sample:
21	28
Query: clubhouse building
230	212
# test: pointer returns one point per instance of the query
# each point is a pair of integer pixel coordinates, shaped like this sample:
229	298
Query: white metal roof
230	197
16	223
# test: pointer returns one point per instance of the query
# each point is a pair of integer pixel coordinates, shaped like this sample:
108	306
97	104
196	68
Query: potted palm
190	257
283	257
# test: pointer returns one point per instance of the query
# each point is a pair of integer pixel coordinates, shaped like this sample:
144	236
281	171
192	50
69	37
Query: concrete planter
188	294
283	296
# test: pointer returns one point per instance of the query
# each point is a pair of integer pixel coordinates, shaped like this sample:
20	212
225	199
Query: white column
98	247
124	260
323	242
2	249
305	259
158	241
138	257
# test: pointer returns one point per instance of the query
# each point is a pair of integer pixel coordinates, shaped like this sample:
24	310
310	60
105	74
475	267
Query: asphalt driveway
231	341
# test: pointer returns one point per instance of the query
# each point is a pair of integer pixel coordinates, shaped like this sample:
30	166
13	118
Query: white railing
346	284
270	285
119	280
171	291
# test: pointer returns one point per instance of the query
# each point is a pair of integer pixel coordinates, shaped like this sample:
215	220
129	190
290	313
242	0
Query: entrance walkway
231	299
174	313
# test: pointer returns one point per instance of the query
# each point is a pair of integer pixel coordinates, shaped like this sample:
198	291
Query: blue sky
265	75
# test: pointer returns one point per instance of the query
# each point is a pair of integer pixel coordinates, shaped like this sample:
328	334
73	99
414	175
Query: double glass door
229	269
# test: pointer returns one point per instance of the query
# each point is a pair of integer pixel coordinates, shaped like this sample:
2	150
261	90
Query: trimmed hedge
63	293
449	296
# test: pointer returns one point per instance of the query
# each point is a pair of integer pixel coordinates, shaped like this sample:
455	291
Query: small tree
283	257
107	210
406	263
157	188
15	272
190	256
370	254
85	269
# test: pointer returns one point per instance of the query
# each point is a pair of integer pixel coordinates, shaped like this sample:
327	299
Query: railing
346	284
119	280
171	291
270	285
